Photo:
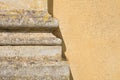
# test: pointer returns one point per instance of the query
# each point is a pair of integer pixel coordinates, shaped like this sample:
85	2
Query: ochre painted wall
91	31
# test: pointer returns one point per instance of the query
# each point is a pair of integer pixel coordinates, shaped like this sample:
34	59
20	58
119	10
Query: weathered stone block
34	71
26	18
23	4
25	52
31	52
19	38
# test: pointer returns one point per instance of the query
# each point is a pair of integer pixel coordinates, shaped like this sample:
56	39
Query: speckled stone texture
24	38
28	48
24	4
34	71
26	18
31	52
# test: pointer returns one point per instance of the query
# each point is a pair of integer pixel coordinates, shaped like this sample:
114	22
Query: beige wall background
91	31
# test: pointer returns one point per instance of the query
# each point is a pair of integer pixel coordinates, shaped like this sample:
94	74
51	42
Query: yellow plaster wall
91	31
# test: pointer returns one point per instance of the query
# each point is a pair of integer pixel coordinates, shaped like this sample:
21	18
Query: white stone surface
38	52
34	71
23	4
27	18
25	38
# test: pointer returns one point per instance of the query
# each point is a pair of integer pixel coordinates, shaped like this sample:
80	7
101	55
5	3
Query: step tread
19	38
26	18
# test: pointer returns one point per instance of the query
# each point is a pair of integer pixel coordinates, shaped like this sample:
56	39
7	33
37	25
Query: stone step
34	71
31	52
26	38
26	19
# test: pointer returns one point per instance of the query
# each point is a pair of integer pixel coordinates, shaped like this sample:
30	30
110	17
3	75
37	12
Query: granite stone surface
23	4
28	48
19	38
34	71
26	18
34	52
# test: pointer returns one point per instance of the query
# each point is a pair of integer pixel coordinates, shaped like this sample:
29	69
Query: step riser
34	71
63	77
27	18
7	38
38	52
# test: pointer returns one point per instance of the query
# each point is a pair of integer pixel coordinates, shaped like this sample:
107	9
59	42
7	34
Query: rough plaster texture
24	38
38	52
91	31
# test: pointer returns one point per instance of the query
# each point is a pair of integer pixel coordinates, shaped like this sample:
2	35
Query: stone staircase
28	48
